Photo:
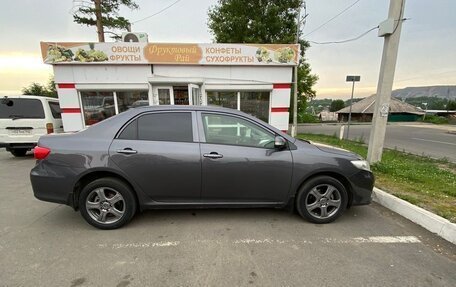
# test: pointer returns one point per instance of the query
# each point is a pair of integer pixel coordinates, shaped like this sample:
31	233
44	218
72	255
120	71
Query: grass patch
426	182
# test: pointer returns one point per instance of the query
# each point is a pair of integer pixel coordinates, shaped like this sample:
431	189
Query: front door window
229	130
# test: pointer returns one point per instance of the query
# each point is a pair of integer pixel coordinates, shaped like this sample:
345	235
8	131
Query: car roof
189	108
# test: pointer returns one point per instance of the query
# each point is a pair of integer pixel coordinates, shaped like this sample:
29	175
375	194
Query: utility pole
100	29
391	30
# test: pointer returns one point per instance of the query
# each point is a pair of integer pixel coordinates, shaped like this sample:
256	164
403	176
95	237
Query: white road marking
269	241
433	141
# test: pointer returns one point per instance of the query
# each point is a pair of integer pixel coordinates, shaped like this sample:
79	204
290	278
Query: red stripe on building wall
71	110
279	110
281	86
66	86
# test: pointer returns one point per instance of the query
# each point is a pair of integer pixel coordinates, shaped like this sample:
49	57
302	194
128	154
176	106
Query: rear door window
14	108
175	127
55	110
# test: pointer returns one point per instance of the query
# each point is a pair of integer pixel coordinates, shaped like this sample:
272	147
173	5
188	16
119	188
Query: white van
23	119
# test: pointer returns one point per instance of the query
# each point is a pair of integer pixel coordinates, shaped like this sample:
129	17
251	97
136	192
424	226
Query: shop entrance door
164	94
181	95
195	97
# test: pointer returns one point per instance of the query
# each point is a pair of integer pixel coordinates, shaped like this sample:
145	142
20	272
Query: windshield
12	108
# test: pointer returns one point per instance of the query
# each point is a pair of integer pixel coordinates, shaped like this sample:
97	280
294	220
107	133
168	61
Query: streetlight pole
352	79
294	127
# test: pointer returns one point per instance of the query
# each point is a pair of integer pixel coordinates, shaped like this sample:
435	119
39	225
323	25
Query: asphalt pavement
45	244
437	141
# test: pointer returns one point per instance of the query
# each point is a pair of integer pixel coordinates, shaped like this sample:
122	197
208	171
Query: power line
345	41
340	13
162	10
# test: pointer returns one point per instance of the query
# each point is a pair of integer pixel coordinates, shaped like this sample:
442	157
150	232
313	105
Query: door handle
213	155
127	151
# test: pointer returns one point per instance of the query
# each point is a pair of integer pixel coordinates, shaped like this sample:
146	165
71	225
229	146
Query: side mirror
280	142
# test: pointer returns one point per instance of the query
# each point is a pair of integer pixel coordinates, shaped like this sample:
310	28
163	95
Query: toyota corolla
194	157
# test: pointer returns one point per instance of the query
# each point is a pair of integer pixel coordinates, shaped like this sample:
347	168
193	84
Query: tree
336	105
36	89
264	21
103	14
451	106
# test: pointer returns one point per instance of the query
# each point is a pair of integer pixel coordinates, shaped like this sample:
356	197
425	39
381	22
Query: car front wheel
107	203
322	199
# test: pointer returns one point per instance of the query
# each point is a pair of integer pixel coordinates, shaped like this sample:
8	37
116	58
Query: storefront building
98	80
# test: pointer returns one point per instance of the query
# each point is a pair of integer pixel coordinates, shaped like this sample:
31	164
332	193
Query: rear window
55	110
175	127
12	108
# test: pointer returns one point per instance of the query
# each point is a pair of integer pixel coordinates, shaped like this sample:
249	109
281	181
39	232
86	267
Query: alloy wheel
323	201
105	205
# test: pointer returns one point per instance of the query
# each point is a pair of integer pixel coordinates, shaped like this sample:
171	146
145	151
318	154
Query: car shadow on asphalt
66	218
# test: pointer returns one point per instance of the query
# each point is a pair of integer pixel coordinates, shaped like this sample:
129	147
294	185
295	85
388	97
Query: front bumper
362	184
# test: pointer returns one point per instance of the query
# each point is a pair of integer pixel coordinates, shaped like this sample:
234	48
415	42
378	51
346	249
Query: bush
307	118
435	119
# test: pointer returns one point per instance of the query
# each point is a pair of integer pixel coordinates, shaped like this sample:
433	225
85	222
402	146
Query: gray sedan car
194	157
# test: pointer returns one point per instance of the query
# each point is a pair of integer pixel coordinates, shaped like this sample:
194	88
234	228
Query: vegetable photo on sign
57	53
281	55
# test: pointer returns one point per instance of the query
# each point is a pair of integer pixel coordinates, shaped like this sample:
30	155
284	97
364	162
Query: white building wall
70	78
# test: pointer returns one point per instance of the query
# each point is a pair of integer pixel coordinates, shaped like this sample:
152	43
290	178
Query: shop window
175	127
131	99
164	96
222	99
256	104
97	106
229	130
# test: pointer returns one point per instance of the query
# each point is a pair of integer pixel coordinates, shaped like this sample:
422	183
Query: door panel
166	171
245	174
160	152
239	162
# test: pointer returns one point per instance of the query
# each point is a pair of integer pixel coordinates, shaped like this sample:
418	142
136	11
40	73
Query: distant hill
441	92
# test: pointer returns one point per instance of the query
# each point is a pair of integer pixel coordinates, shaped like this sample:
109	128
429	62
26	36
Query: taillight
50	128
41	152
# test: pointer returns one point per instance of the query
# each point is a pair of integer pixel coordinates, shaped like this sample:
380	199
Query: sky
427	50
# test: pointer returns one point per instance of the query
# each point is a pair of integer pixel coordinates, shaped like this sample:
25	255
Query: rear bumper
53	183
10	146
362	186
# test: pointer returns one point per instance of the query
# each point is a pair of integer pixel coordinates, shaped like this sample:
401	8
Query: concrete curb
434	223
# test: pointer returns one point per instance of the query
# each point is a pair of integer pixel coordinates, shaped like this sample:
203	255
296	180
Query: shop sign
164	53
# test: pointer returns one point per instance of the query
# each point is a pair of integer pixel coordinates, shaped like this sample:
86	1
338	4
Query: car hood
336	150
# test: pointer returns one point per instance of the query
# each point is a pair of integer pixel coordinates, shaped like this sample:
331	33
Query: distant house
327	116
363	110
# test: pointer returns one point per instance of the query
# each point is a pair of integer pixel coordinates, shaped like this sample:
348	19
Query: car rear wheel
18	152
322	199
107	203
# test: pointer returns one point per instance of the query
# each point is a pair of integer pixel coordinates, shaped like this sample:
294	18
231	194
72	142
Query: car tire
19	152
107	203
321	199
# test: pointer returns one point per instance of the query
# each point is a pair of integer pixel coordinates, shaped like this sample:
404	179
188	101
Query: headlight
361	164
